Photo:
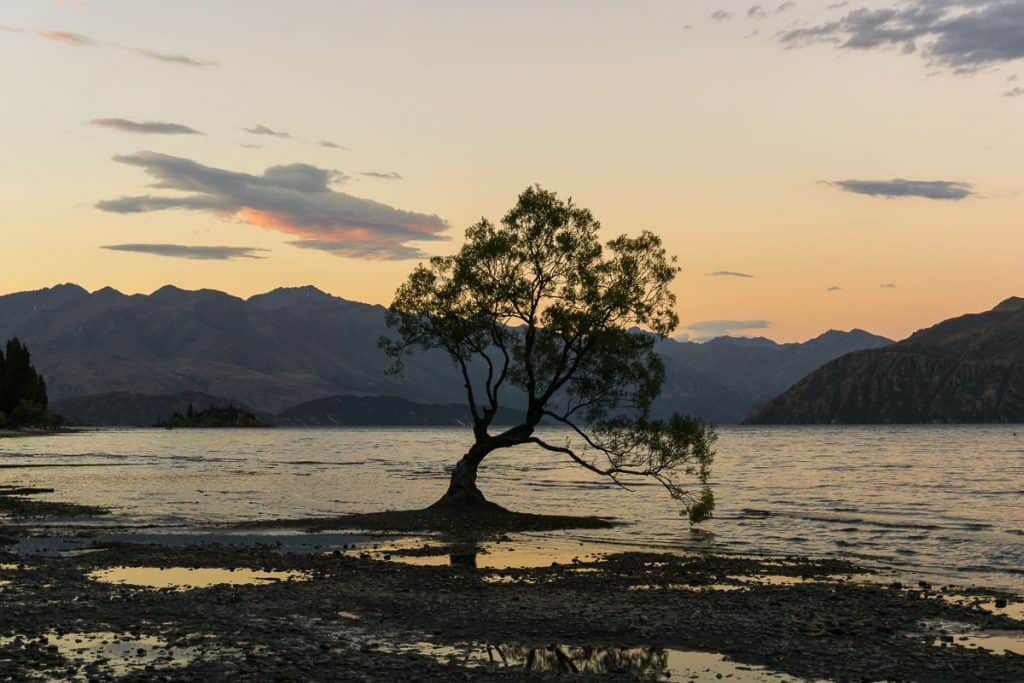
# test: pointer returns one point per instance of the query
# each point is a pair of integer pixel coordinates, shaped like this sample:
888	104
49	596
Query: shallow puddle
1013	610
687	587
786	580
117	653
185	578
955	634
658	663
518	554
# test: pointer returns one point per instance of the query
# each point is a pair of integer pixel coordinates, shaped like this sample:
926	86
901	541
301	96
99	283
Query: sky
813	165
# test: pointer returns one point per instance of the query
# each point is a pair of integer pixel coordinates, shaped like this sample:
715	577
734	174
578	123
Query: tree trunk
462	490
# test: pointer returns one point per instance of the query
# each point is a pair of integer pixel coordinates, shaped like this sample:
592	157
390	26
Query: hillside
373	410
134	409
294	345
966	369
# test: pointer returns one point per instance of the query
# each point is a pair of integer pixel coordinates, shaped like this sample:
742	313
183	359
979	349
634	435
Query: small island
215	417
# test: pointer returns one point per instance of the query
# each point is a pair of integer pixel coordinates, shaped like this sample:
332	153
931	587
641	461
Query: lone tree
540	304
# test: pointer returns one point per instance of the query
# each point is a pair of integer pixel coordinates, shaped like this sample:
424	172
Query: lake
945	502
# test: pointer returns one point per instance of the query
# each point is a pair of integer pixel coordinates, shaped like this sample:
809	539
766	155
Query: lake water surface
941	501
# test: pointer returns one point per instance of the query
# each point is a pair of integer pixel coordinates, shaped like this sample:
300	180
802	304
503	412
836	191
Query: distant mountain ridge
123	408
290	346
966	369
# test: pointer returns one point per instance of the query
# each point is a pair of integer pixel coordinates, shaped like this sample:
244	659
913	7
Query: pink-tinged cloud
295	199
79	40
66	37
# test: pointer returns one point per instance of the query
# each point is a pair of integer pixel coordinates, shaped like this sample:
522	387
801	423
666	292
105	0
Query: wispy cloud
721	15
834	288
756	12
962	35
81	40
263	130
888	285
332	145
146	127
383	175
900	187
182	60
1014	92
296	199
729	273
66	37
198	253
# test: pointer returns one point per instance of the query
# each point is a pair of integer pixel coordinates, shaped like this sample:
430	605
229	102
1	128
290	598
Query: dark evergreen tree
23	395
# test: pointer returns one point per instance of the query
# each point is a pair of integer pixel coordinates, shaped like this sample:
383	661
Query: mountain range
290	346
966	369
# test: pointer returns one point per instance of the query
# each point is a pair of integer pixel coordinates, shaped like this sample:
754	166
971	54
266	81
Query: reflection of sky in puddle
516	554
1013	610
184	578
687	587
118	653
637	661
742	583
955	634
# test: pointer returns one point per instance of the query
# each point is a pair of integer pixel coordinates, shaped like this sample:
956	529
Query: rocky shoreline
421	612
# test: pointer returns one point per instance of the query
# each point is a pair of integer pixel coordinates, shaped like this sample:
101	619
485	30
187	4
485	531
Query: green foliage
23	396
539	303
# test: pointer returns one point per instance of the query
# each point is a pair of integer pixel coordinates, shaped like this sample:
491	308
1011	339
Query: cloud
248	146
839	5
190	252
962	35
1014	92
785	7
147	127
756	12
728	273
374	252
888	285
79	40
263	130
66	37
899	187
721	15
76	39
182	60
383	175
834	288
295	199
706	329
332	145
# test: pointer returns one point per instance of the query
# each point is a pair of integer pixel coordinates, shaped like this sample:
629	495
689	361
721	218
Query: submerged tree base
489	518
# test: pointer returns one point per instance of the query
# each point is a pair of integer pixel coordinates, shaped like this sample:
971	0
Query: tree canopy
539	303
23	398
